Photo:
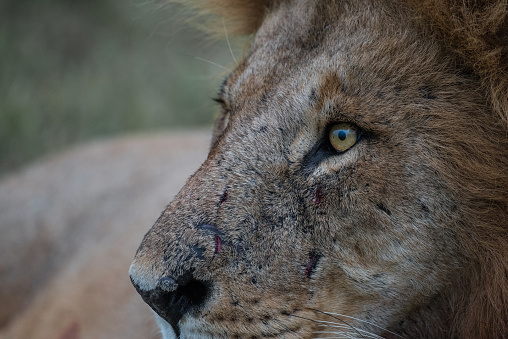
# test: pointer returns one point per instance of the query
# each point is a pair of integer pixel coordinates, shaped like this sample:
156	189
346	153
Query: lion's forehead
355	65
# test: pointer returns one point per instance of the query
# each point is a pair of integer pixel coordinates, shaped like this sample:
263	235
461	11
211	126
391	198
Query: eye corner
222	102
219	100
324	149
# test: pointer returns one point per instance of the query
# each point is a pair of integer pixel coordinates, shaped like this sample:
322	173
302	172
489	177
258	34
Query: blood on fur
218	243
318	196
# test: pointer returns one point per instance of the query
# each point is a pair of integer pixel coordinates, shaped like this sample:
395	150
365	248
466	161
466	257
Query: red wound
223	198
311	265
318	196
218	243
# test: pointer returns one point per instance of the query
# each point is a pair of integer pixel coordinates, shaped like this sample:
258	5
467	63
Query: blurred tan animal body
69	226
357	181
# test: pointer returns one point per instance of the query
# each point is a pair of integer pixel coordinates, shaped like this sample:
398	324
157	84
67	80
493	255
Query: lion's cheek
351	292
383	276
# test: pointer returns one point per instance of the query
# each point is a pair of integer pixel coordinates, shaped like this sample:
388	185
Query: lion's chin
189	329
166	329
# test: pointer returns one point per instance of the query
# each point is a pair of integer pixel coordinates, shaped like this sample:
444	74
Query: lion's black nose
174	297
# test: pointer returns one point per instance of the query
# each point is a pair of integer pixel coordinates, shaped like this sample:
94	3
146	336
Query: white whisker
227	39
335	326
364	334
332	322
360	320
214	63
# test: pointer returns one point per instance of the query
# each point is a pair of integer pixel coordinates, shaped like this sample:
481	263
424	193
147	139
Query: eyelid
222	102
219	100
359	130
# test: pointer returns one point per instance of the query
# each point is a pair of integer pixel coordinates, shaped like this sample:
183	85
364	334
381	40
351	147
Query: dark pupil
342	135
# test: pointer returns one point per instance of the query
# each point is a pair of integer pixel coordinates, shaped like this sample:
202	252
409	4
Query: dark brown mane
478	32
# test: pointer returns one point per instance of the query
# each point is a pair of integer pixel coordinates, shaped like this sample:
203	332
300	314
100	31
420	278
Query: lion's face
280	235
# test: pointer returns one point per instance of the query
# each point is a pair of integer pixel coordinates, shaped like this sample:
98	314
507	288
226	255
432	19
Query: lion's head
357	181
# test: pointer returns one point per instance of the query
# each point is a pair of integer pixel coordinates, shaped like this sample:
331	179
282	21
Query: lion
357	182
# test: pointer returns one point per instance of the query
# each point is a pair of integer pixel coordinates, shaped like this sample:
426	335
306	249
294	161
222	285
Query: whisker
227	39
214	63
347	334
364	321
334	325
341	320
318	321
360	330
367	334
331	332
342	336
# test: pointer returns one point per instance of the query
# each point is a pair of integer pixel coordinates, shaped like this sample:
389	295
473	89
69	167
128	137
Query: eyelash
219	100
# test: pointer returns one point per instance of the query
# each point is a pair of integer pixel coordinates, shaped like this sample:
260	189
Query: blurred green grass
73	70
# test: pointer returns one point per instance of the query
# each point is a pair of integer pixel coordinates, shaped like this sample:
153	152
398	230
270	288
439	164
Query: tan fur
405	234
68	229
242	16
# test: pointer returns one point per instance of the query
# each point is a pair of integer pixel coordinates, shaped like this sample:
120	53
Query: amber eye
343	136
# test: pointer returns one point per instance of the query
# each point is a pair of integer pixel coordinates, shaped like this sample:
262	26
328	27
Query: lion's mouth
167	330
173	298
191	327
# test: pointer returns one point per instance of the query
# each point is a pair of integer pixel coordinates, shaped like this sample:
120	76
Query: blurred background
76	70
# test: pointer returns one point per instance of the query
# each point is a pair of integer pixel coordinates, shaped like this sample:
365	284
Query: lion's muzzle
175	289
173	298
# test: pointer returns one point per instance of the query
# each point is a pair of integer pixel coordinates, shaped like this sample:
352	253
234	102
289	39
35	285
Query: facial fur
279	236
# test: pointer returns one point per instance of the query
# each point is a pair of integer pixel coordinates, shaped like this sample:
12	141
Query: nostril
194	293
175	297
168	284
184	279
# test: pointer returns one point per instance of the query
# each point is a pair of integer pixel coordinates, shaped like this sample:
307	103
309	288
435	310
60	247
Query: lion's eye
343	136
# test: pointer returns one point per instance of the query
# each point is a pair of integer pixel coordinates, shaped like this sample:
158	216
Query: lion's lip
168	331
180	330
169	315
